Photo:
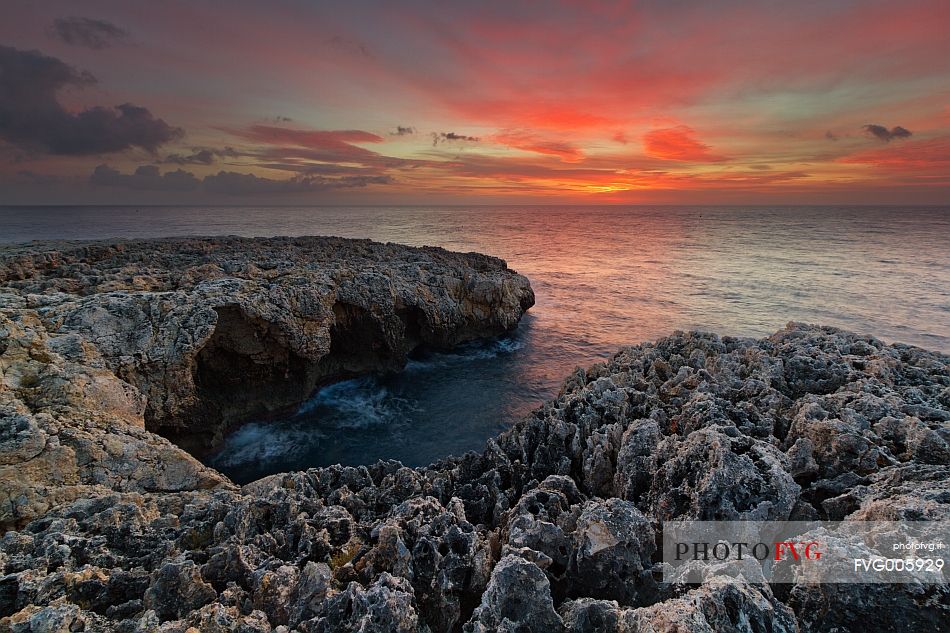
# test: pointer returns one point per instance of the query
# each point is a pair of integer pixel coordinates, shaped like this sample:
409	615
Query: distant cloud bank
149	178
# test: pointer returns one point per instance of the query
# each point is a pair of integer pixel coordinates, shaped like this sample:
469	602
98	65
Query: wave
261	442
356	403
353	405
465	354
361	405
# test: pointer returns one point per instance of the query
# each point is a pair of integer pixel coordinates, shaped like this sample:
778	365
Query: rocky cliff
108	349
552	528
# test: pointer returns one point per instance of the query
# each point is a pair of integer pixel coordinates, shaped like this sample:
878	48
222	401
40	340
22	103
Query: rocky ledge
110	349
552	528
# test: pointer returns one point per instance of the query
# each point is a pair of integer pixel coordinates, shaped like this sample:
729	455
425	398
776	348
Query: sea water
604	277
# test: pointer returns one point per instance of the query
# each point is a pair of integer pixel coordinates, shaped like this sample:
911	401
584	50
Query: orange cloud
532	143
677	143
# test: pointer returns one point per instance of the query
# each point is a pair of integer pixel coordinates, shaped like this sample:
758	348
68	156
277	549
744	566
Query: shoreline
809	423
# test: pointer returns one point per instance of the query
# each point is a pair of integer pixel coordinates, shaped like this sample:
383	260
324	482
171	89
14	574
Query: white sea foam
260	442
465	354
357	403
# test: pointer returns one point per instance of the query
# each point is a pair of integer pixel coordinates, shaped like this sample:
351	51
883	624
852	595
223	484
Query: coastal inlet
194	336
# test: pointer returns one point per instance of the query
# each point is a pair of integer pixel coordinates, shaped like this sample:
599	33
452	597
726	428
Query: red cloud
301	147
532	113
677	143
532	143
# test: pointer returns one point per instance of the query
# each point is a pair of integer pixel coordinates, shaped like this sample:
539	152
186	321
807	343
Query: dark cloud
95	34
403	131
283	119
197	157
32	118
233	183
831	136
145	178
148	177
881	133
202	156
443	137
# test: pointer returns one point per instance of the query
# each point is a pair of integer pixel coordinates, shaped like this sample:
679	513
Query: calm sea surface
604	277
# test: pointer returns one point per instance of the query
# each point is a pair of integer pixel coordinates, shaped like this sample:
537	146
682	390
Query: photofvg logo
806	551
722	551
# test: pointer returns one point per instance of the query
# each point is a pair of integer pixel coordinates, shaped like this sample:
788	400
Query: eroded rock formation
108	348
552	528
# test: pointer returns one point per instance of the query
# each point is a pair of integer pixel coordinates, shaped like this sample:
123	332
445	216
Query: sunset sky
467	102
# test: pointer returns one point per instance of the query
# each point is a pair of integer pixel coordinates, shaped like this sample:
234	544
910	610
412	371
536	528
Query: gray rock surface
551	528
107	348
212	330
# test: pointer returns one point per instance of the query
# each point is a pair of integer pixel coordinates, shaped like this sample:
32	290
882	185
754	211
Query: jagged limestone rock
550	528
